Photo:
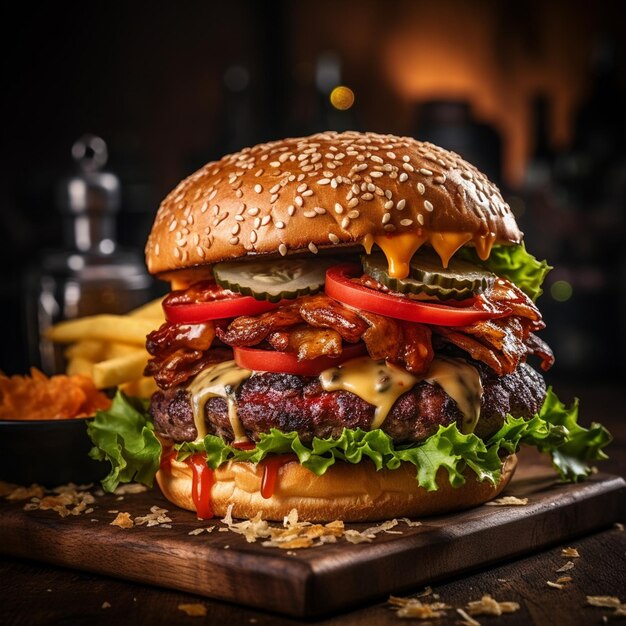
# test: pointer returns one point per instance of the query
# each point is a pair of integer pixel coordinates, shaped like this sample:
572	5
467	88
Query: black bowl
48	452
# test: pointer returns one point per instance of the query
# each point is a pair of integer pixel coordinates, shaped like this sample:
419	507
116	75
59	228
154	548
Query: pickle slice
273	280
429	280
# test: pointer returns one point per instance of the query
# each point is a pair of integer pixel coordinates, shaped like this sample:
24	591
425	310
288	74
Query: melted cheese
446	244
483	244
219	381
377	382
462	383
368	242
399	250
380	384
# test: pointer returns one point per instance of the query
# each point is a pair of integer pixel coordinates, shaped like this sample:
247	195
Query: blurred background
534	93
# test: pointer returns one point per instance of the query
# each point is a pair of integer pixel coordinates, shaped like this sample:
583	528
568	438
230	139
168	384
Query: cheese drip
400	248
462	383
380	384
218	381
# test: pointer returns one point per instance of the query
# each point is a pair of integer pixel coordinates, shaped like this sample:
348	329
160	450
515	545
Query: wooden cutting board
315	581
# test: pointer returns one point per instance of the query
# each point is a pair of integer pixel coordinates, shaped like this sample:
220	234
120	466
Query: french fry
112	328
79	365
152	311
114	372
113	350
89	349
143	387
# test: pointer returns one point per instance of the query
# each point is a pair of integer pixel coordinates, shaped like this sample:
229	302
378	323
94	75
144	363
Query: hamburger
351	332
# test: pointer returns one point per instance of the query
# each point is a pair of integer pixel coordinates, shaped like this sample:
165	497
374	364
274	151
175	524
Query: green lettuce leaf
514	263
124	436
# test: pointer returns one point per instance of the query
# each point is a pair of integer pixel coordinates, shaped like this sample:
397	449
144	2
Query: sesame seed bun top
325	191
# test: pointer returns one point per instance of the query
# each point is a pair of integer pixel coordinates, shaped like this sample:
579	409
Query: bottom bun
352	493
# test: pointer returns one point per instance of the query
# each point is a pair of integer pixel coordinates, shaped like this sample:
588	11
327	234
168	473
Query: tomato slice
341	288
220	303
287	362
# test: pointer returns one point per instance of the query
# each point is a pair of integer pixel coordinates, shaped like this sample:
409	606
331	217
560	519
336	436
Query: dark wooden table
35	593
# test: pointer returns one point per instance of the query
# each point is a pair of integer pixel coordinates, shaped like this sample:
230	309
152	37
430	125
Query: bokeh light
561	290
342	97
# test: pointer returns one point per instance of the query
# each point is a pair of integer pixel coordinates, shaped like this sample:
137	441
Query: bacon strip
307	342
323	312
540	348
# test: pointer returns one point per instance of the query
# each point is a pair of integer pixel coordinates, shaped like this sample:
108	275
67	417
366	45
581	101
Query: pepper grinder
91	274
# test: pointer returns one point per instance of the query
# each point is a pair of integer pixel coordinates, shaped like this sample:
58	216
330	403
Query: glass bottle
91	274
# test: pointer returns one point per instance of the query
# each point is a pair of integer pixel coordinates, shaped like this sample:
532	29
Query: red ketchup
271	466
166	460
203	480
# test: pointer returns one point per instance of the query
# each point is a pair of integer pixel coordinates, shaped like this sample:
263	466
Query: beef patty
298	403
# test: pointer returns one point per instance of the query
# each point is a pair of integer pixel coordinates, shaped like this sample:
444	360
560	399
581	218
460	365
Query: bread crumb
106	605
65	500
130	488
490	606
467	620
15	492
193	610
568	566
156	516
123	520
196	531
554	585
415	608
609	602
570	552
508	501
564	579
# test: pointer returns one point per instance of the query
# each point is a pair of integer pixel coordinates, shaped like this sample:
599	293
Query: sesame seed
235	229
313	248
367	197
232	178
213	194
275	164
307	193
204	208
353	203
391	155
338	208
401	204
301	187
273	198
428	205
157	249
421	188
355	188
257	222
353	214
389	227
376	159
233	241
200	252
386	218
420	219
239	218
333	183
408	167
253	211
282	249
280	224
173	226
345	222
333	237
195	239
360	167
323	181
403	177
320	210
253	236
309	214
425	171
376	174
371	187
406	158
258	188
265	220
291	209
299	201
406	222
440	180
275	188
388	205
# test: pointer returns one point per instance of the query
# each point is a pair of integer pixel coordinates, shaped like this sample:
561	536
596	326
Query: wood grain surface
314	581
